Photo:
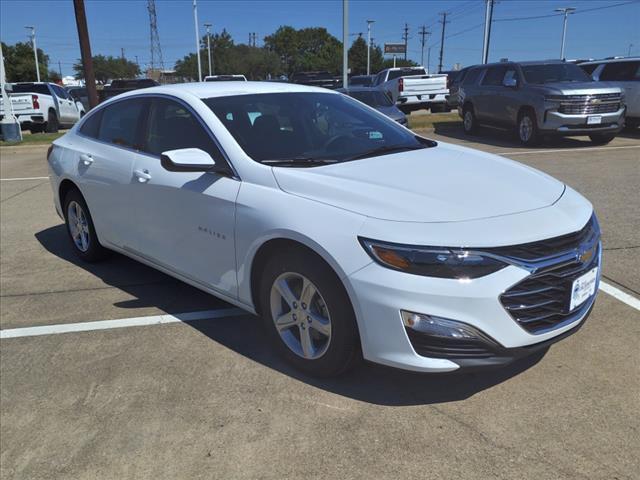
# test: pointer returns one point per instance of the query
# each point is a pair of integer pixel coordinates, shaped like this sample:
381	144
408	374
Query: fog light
441	327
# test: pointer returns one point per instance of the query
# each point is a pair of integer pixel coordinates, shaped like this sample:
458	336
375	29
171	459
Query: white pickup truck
43	106
412	88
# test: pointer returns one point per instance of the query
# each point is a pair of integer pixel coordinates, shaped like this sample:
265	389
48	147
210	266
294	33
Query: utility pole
122	53
488	17
423	34
566	11
35	50
444	24
195	21
429	60
369	22
345	39
85	52
629	52
405	36
208	27
60	69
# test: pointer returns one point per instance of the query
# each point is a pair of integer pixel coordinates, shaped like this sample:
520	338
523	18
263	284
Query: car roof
223	89
524	63
611	60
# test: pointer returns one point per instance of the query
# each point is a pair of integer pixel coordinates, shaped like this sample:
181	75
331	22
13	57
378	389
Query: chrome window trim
141	152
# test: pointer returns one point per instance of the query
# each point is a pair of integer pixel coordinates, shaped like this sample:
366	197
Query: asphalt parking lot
208	399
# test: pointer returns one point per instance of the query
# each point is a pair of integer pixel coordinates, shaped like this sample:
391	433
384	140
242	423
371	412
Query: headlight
456	263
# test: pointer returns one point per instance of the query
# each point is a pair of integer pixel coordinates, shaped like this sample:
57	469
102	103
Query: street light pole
208	27
345	38
488	16
566	11
195	21
35	50
369	22
9	125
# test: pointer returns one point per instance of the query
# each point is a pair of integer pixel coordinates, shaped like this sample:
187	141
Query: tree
109	68
306	49
400	62
20	65
358	57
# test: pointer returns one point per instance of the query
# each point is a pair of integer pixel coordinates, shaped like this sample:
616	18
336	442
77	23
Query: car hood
445	183
578	88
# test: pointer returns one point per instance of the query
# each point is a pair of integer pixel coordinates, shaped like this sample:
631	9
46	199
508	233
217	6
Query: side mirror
187	160
510	82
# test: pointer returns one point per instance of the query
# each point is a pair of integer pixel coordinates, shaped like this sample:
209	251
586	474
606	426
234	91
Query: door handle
86	159
143	175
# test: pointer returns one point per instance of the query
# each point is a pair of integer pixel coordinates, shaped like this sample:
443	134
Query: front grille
590	104
541	301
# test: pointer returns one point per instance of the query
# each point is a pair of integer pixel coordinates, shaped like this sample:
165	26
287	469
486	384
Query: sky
598	28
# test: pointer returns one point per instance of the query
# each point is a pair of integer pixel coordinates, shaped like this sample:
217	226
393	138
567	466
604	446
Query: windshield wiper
299	161
386	149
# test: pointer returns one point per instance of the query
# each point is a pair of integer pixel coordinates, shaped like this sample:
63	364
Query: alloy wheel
78	226
468	120
300	315
526	128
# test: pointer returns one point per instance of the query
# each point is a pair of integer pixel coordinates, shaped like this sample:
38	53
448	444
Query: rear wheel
527	129
52	122
80	228
469	121
602	138
307	314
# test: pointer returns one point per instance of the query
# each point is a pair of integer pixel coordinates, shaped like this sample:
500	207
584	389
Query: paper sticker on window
375	135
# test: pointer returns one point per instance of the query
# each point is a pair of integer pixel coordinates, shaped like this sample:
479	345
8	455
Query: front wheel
528	129
602	138
307	314
80	228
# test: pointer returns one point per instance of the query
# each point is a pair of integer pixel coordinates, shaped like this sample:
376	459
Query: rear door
106	149
507	100
487	106
627	75
185	220
66	105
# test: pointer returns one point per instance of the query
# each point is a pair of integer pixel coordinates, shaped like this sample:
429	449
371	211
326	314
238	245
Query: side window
172	126
511	73
620	71
91	125
472	76
120	122
494	76
60	92
589	69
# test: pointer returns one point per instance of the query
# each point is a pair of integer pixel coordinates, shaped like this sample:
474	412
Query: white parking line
121	323
618	294
22	178
563	150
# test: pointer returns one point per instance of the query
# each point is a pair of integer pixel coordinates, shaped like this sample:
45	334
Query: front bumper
556	123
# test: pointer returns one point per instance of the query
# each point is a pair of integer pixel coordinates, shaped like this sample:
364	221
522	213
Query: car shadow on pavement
244	334
499	137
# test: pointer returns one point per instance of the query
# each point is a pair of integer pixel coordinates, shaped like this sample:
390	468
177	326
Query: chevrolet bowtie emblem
585	255
595	101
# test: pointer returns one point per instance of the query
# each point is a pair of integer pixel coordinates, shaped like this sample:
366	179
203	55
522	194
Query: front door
185	220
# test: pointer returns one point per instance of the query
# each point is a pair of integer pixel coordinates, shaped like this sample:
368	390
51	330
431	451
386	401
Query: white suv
350	235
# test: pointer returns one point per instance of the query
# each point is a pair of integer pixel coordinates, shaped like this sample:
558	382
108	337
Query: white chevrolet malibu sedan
350	235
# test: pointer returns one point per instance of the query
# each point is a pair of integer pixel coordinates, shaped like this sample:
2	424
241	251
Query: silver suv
541	98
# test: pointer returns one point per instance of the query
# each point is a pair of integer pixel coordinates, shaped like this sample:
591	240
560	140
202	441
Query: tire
602	138
327	321
36	128
528	129
52	125
80	229
469	123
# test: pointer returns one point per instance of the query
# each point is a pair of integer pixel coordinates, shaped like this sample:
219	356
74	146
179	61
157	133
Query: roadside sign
394	48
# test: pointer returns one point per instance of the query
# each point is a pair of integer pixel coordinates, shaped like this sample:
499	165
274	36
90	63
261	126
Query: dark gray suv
541	98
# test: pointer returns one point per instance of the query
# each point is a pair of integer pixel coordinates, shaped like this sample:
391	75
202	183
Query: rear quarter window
472	76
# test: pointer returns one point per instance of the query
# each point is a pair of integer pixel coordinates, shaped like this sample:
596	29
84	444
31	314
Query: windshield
554	72
373	98
40	88
309	126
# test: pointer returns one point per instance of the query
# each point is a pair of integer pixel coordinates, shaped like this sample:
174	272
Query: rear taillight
400	84
49	151
34	100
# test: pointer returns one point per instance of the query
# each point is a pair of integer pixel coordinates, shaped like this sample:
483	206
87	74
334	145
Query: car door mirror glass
187	160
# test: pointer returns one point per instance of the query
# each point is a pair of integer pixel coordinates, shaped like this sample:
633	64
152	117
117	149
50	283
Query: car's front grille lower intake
590	104
540	302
